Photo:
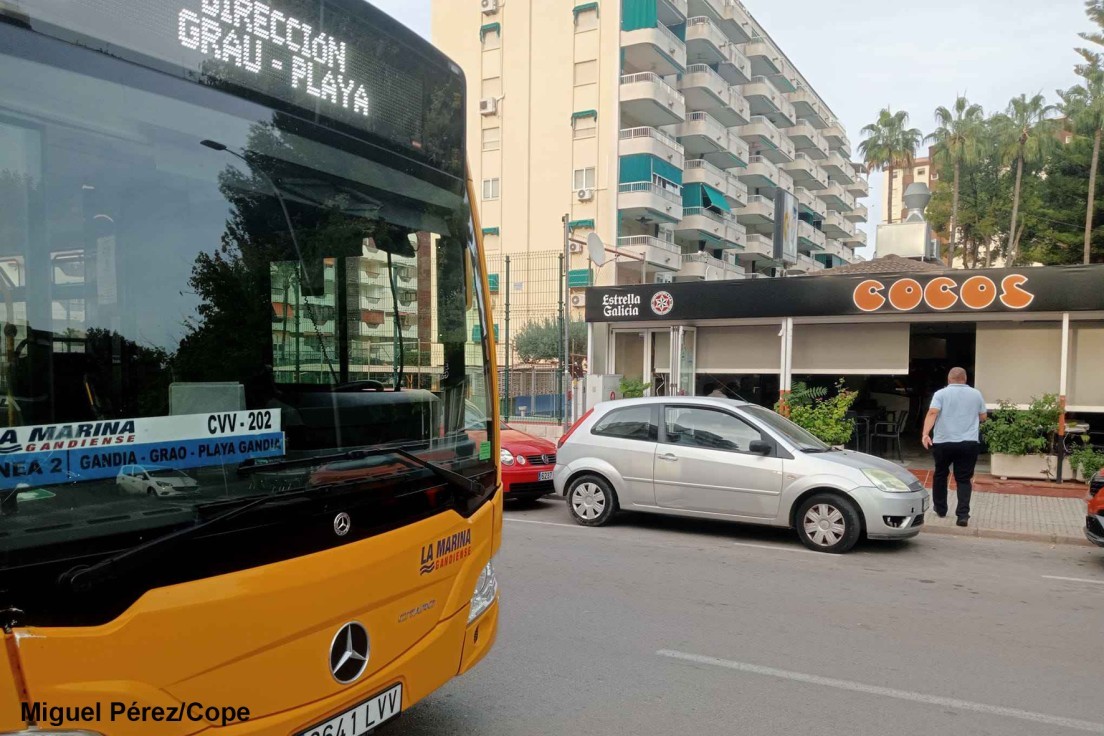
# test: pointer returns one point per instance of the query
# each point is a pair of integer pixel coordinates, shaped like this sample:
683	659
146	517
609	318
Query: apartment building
665	126
922	171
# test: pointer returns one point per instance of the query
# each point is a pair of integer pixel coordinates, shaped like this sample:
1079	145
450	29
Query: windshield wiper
816	450
397	335
81	579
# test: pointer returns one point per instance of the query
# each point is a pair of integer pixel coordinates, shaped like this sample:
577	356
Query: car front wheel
829	523
591	500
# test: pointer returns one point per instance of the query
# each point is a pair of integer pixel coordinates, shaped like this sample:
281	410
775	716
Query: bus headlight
486	588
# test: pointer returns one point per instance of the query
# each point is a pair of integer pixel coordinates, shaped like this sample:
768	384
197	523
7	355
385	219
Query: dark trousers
963	456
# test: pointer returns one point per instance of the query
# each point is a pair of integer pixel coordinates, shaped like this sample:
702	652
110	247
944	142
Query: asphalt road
662	626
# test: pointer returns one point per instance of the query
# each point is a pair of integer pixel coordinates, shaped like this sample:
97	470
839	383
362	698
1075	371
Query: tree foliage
539	342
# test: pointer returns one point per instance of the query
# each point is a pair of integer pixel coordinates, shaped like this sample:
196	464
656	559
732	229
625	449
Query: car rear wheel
828	523
591	500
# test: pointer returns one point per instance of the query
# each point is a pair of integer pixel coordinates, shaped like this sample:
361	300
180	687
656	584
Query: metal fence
528	289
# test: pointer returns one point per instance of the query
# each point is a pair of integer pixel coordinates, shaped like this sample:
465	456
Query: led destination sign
325	60
255	37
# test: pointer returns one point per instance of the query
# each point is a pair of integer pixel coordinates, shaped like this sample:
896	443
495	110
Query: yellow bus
248	436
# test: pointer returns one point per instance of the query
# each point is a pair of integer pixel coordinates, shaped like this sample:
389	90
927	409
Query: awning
715	198
667	170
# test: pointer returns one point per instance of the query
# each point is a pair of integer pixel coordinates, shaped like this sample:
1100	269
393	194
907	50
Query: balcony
735	67
671	12
807	264
810	203
835	226
737	22
712	9
758	212
839	168
860	187
647	99
765	99
856	239
717	229
653	142
808	140
655	49
858	214
766	61
764	139
835	197
761	173
645	201
707	91
809	107
704	137
704	267
758	247
837	139
657	254
706	43
700	171
809	238
806	173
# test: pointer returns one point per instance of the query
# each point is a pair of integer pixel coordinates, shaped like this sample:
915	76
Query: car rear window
631	423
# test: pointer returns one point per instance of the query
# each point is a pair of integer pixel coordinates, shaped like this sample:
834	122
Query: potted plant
1086	460
1020	440
632	388
824	417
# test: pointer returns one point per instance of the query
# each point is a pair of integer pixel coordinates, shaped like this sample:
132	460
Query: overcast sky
862	55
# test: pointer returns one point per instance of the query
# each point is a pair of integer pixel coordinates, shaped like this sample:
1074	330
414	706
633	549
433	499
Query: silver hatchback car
722	459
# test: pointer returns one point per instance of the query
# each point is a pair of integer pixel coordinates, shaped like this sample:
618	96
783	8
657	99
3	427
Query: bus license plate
362	718
545	475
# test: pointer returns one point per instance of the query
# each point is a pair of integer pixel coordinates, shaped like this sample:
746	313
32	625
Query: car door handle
668	458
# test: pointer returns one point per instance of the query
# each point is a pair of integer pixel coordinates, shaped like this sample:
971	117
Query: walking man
956	414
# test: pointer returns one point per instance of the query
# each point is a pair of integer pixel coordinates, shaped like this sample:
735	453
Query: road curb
1014	536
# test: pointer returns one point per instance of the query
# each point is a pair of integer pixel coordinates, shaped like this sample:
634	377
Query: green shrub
824	417
633	389
1086	459
1013	431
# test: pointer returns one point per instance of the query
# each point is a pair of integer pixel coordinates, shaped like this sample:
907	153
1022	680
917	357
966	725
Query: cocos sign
942	293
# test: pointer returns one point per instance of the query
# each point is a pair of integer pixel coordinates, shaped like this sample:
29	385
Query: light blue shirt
960	409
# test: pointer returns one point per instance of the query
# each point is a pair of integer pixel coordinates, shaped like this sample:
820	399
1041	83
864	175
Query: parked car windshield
794	434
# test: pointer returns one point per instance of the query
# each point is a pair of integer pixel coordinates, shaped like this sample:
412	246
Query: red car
1094	520
527	461
527	465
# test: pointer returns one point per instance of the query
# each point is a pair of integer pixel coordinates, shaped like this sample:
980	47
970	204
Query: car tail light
574	426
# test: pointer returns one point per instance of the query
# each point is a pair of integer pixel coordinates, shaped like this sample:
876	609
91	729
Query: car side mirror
760	447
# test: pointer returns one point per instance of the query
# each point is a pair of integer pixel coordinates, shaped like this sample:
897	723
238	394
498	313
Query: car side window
631	423
708	428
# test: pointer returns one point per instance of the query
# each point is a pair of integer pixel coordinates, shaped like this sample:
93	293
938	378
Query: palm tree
1083	106
956	139
1026	136
890	145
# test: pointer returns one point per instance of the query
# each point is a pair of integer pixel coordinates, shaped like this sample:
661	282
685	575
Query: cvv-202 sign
943	293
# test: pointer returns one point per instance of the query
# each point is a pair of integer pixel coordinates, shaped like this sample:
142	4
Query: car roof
709	401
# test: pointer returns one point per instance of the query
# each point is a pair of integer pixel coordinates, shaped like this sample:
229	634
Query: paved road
661	626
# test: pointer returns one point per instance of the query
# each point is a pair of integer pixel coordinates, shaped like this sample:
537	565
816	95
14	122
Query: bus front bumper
422	669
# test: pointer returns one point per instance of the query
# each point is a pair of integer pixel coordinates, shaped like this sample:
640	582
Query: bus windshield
206	299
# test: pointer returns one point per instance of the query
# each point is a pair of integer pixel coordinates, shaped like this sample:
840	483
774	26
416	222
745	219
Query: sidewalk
1004	515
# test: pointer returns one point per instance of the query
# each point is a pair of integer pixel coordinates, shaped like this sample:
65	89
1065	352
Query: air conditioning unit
578	300
576	248
585	195
488	106
488	6
665	278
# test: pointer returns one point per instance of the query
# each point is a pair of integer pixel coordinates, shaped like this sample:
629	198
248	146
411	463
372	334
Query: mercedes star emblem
349	652
342	524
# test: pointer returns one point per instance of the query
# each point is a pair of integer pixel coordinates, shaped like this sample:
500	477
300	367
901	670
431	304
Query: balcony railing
647	241
760	200
652	78
704	27
721	218
659	135
669	35
647	186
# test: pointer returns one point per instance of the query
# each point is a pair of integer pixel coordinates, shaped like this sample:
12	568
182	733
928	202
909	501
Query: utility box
602	388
